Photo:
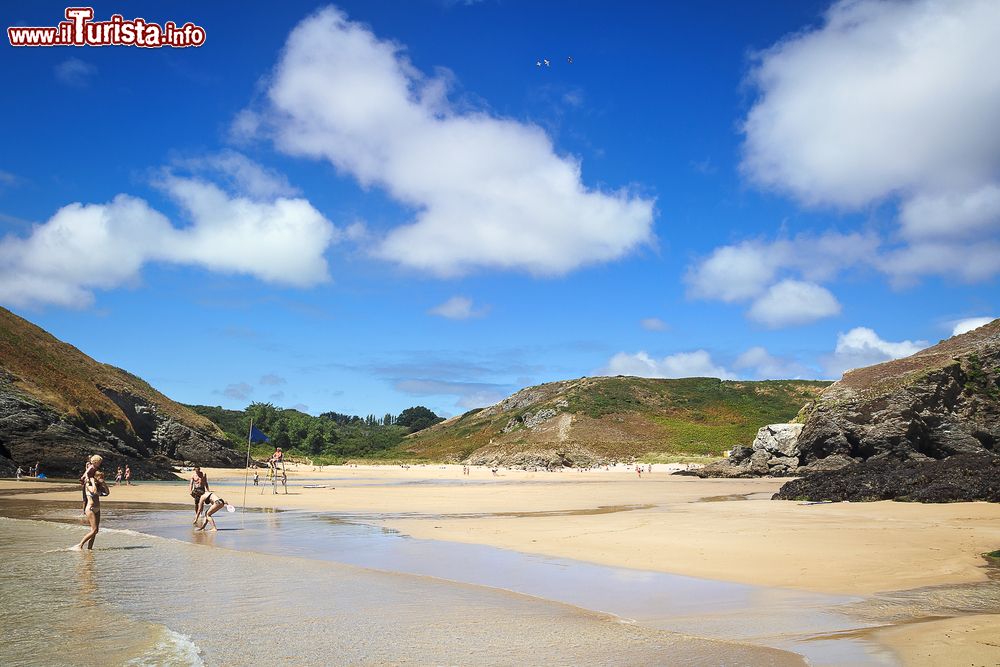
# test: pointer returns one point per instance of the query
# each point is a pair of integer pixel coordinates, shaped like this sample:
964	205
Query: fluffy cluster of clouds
858	347
487	192
83	247
780	279
885	101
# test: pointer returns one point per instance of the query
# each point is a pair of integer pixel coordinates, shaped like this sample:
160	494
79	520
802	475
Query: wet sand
665	523
142	600
725	530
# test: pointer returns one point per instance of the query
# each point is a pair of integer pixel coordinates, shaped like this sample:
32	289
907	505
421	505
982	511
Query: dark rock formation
920	428
962	477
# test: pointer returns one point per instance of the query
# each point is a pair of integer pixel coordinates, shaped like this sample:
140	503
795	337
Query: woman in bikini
214	503
197	488
95	488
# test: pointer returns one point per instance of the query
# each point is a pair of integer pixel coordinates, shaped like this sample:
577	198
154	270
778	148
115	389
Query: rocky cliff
932	417
885	431
58	406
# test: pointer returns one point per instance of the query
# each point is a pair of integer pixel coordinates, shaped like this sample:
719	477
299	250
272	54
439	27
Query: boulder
774	453
779	440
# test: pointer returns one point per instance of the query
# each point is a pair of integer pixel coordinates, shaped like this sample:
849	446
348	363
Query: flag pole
246	470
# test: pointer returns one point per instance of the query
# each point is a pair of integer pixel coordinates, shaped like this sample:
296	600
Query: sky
367	206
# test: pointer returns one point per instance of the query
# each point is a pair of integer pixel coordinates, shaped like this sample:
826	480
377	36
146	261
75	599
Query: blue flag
257	436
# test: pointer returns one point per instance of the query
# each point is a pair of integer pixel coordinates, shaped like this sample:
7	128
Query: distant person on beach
18	473
94	487
118	477
37	465
256	478
276	458
213	503
197	488
128	475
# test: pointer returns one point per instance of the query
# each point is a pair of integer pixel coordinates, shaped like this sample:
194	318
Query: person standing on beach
256	477
128	475
197	488
18	473
94	487
92	467
118	477
37	464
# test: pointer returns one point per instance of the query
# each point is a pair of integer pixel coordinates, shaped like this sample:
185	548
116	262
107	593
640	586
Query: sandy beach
725	530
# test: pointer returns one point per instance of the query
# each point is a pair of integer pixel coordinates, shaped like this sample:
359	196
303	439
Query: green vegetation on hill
620	417
329	438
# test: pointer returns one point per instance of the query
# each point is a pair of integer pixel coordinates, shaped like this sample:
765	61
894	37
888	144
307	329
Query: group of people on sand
30	472
126	473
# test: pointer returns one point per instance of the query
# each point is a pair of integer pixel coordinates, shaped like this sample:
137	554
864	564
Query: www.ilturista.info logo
79	29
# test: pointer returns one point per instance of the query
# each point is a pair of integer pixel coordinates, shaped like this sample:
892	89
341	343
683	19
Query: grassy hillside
619	417
66	379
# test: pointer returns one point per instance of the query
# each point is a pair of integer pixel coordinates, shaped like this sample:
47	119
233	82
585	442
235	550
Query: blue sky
373	205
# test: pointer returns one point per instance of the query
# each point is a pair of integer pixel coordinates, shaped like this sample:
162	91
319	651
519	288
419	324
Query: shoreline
724	530
720	530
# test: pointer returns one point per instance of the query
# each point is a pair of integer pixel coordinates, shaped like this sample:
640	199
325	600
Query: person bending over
212	504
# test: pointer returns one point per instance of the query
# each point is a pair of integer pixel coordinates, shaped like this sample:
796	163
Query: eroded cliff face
926	427
148	441
883	432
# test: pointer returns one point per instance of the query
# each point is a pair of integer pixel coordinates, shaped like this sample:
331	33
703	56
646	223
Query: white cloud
272	380
280	241
654	324
683	364
762	365
75	72
470	394
734	272
968	262
487	191
84	247
241	174
967	325
951	215
792	302
861	346
458	308
889	100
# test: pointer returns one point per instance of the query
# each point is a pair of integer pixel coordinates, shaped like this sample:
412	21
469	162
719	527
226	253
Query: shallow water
140	599
785	619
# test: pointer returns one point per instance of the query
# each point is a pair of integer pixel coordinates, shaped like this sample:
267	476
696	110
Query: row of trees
330	436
